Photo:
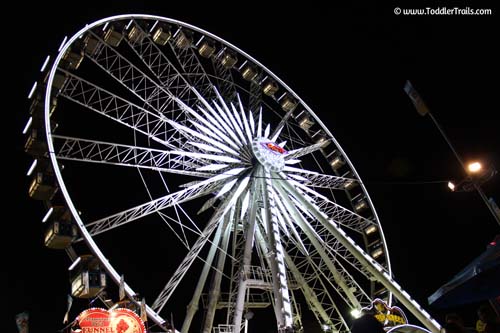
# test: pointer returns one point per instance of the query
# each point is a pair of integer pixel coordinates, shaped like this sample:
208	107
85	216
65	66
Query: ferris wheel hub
269	154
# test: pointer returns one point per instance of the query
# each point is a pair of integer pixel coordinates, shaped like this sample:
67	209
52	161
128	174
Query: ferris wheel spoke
344	275
159	98
232	172
245	120
129	215
186	264
179	83
215	120
191	66
242	122
218	140
236	116
180	221
339	254
118	109
211	157
207	149
255	95
208	127
296	140
332	244
370	265
267	130
216	218
336	249
314	261
84	150
284	227
279	128
315	179
224	77
334	211
281	292
318	298
316	295
317	243
221	117
243	129
237	252
208	204
192	133
294	154
310	275
224	113
216	116
214	135
287	222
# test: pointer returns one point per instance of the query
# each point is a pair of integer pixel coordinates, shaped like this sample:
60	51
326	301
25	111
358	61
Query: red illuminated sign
120	320
274	147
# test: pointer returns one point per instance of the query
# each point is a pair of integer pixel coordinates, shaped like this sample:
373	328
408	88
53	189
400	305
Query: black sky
349	65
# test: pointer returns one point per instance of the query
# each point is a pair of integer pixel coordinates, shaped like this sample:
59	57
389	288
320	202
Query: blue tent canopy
478	281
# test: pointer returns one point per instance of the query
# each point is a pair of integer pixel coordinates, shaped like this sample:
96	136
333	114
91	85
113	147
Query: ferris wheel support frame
215	287
247	257
193	305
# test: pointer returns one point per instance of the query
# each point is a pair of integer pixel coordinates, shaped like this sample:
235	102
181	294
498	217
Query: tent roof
478	281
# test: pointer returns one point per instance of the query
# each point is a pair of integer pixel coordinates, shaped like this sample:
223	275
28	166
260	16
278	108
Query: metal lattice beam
83	150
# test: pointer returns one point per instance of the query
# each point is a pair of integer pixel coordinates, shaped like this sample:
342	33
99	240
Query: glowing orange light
474	167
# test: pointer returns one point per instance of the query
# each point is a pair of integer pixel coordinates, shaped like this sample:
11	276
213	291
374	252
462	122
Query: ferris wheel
144	125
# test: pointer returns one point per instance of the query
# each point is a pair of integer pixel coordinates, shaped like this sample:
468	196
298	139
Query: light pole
477	174
423	110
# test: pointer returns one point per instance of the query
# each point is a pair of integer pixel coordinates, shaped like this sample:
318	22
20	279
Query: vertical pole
422	109
193	305
214	293
247	256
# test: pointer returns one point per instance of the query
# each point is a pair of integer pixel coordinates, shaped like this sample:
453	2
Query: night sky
349	65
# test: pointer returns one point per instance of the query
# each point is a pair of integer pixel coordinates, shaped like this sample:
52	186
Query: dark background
349	65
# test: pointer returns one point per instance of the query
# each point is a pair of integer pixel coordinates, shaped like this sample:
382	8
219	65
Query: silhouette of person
455	318
488	322
453	327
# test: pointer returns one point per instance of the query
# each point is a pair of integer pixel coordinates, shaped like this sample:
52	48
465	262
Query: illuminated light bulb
356	313
451	186
474	167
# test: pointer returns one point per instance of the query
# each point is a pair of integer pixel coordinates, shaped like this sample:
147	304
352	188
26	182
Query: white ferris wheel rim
62	187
